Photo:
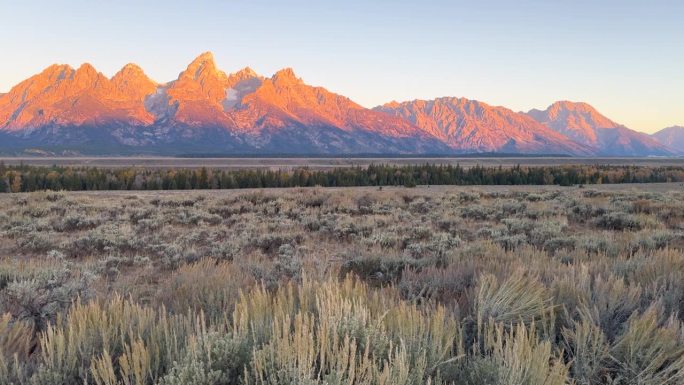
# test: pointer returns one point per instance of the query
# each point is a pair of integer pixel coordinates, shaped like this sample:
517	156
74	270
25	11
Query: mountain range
63	110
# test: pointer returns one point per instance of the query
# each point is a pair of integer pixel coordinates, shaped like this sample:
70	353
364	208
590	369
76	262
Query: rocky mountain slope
673	137
584	124
472	126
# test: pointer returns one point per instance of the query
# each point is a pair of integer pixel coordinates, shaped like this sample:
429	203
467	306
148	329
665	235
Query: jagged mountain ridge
206	110
584	124
61	95
470	125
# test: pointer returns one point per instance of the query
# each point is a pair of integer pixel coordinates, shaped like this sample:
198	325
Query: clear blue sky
626	57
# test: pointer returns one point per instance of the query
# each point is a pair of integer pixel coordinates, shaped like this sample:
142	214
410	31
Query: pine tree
203	179
16	183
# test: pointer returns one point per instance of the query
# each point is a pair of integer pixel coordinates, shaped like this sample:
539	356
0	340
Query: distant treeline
25	178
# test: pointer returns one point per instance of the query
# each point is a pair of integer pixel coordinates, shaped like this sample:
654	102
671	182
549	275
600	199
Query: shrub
618	220
195	217
288	263
518	226
386	240
315	199
348	229
36	242
598	244
377	270
511	242
270	243
475	212
74	223
212	359
451	284
468	196
511	207
40	299
554	244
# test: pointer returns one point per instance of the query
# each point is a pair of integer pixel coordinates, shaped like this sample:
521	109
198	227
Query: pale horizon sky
626	58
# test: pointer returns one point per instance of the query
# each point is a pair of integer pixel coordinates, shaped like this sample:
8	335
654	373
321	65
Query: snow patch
231	94
158	104
235	94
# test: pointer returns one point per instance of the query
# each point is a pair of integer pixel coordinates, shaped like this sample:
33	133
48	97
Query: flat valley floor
327	163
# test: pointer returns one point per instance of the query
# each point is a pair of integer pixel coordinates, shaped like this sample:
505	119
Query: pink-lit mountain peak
286	77
62	95
130	70
584	124
132	82
243	74
579	115
202	69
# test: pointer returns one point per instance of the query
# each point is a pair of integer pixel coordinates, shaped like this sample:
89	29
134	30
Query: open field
325	163
443	284
626	188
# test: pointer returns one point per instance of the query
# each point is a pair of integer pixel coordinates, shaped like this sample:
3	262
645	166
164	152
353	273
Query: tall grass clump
515	355
333	332
519	299
16	342
586	343
111	343
650	351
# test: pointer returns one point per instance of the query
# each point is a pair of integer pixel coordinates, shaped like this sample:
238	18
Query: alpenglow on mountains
204	111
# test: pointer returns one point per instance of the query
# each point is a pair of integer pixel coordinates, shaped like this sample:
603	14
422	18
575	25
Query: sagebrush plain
441	285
